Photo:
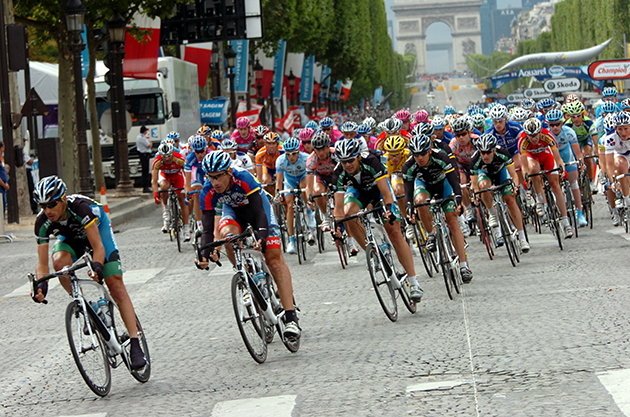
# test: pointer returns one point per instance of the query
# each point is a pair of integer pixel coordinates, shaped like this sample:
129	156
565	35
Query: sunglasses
50	205
326	128
349	161
555	124
293	153
461	134
201	151
306	141
216	177
421	153
486	152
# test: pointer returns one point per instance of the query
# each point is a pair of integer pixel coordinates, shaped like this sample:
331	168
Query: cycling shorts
396	178
442	189
588	141
178	180
197	176
291	182
545	159
364	199
273	236
497	179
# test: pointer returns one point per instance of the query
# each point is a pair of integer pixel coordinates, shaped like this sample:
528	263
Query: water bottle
385	248
102	309
261	280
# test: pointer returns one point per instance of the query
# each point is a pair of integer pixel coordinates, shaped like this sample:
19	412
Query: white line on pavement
619	231
279	406
435	385
25	290
88	415
617	383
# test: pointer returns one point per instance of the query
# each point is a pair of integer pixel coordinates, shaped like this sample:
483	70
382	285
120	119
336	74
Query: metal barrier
2	235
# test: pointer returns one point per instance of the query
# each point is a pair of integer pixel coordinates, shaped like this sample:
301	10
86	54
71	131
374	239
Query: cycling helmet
479	120
166	149
306	134
486	142
421	116
419	144
528	104
216	162
173	135
532	126
369	121
545	103
449	110
554	115
403	115
609	107
438	122
272	137
520	114
571	97
609	122
498	112
347	148
473	109
242	123
326	122
392	125
622	119
320	140
609	91
49	189
575	108
348	127
625	104
217	134
296	133
198	143
312	124
394	144
291	145
168	140
364	130
229	145
460	125
261	130
204	130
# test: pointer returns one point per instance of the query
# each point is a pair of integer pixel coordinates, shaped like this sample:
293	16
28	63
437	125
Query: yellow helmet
394	144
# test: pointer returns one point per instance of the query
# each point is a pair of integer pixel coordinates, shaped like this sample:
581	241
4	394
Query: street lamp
291	79
324	94
258	72
335	95
230	62
116	27
315	96
75	13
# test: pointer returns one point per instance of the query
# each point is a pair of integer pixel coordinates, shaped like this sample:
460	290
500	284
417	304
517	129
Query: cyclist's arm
310	185
512	171
339	205
187	175
557	157
256	204
474	183
207	236
384	187
259	172
42	260
94	237
279	182
154	180
409	188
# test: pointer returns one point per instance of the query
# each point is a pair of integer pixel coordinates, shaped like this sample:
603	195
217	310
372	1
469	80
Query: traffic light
109	75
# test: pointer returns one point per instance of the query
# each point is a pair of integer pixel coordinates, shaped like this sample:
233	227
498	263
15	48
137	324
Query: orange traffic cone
104	200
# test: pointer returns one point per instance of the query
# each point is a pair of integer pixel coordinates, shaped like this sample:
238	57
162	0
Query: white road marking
435	385
619	231
25	290
261	407
88	415
617	383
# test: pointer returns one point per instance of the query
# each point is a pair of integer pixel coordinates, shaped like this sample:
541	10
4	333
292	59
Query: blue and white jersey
565	139
614	144
192	162
296	170
509	139
598	111
243	161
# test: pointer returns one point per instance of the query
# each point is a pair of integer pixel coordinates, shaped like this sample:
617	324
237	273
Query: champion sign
610	70
559	85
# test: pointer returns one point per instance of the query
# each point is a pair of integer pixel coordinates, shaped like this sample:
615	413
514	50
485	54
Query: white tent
44	79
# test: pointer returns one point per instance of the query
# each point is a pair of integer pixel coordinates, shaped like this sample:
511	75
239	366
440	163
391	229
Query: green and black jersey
370	171
79	217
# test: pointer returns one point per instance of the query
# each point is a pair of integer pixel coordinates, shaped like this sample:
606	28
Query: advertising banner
306	86
278	70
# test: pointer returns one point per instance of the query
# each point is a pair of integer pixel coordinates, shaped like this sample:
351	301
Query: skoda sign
536	93
560	85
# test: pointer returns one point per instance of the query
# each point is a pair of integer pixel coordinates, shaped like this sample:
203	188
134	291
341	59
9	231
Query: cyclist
244	203
396	154
507	133
173	137
463	148
421	116
427	129
405	117
569	151
319	169
391	127
239	159
259	140
539	149
266	160
81	223
291	174
430	173
214	139
193	172
365	132
306	135
586	132
439	130
168	168
361	180
371	123
617	153
608	110
609	95
493	165
243	135
326	125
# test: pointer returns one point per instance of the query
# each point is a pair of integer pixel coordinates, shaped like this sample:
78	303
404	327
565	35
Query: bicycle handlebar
432	202
495	187
82	262
559	169
230	239
359	214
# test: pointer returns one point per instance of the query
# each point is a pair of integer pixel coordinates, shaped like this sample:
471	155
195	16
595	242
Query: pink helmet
306	134
242	122
403	115
421	116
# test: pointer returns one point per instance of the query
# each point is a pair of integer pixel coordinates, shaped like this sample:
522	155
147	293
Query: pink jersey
243	143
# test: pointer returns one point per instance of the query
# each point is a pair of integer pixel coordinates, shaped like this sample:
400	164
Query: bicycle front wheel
88	351
484	231
249	319
507	236
341	250
382	284
421	245
445	265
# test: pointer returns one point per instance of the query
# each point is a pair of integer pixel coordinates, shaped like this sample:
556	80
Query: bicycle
623	210
587	194
385	276
192	219
97	344
485	232
420	239
281	217
341	243
447	257
255	299
300	225
508	231
176	224
570	201
553	218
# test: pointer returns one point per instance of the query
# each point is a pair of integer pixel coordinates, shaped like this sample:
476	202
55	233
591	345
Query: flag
290	120
306	86
242	106
321	113
345	89
267	65
325	78
141	57
253	115
294	65
378	95
200	54
278	70
241	68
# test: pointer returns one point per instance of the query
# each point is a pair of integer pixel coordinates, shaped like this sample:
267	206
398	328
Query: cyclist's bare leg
554	181
515	212
196	205
288	207
320	188
517	166
621	168
268	179
534	168
575	188
425	214
164	186
456	235
355	229
403	251
486	197
119	294
280	271
59	260
463	179
590	166
184	208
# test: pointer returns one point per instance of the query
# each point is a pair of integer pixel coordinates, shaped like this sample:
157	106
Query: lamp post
230	62
75	13
324	90
258	74
291	80
315	96
117	27
335	95
248	98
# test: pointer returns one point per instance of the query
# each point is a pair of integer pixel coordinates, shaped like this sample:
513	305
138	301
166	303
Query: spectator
144	145
4	178
28	164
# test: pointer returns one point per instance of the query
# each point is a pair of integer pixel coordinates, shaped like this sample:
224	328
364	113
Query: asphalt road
459	98
547	338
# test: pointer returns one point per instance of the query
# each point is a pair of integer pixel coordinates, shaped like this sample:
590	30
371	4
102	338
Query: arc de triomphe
413	17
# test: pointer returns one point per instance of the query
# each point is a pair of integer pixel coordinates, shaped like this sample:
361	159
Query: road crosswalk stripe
279	406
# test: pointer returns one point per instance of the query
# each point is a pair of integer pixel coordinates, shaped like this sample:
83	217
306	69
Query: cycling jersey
370	171
242	160
598	111
391	168
546	141
293	172
173	168
243	143
266	160
613	144
446	138
321	168
335	134
584	132
564	140
509	139
495	171
193	165
463	154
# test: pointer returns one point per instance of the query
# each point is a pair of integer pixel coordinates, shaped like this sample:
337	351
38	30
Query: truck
168	103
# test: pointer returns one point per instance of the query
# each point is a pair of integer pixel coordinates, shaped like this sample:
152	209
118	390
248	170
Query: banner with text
306	86
242	65
542	74
278	70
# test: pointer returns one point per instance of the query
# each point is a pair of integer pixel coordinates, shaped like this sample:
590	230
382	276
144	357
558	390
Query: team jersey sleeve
474	163
189	162
179	159
84	211
158	162
571	135
375	163
609	143
280	164
42	229
260	156
247	162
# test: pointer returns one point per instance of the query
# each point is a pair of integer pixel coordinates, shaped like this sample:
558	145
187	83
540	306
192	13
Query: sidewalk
121	210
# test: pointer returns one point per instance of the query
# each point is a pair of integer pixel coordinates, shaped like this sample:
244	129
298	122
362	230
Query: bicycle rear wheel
421	245
555	223
342	251
507	235
91	359
571	208
249	319
382	284
122	334
176	224
445	264
483	231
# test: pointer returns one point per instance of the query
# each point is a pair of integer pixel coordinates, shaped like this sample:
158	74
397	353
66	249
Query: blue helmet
291	145
622	119
216	161
49	189
609	122
364	130
438	122
609	107
609	92
545	103
419	144
173	135
326	122
312	124
198	143
554	115
473	109
528	104
449	110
